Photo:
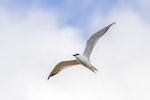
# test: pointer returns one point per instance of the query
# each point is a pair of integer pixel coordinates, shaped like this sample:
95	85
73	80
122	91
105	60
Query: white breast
84	61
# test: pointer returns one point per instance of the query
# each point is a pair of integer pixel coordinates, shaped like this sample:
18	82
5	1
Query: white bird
83	59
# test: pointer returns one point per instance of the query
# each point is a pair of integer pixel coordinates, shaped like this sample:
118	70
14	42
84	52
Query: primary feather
93	39
60	66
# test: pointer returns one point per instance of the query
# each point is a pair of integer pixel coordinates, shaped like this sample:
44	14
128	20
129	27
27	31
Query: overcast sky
37	34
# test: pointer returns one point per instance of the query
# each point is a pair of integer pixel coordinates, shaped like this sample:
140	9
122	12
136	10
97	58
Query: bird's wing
93	39
60	66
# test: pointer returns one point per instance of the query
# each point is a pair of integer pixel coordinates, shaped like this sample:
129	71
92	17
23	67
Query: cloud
124	53
28	48
31	45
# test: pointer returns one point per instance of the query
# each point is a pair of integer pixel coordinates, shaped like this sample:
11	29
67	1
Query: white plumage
83	59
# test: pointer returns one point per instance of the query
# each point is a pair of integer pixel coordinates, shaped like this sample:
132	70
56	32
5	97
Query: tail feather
93	69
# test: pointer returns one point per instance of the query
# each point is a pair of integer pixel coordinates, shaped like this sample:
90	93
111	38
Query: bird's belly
84	61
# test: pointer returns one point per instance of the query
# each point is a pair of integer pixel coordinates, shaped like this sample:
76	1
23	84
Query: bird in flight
83	59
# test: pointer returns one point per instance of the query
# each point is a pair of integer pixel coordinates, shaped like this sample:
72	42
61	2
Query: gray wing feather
93	39
60	66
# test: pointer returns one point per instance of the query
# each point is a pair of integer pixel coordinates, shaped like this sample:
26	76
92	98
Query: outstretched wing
60	66
92	41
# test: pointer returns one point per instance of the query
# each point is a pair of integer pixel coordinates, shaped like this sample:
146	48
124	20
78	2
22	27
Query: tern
83	59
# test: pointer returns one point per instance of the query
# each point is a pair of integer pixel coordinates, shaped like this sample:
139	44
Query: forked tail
93	69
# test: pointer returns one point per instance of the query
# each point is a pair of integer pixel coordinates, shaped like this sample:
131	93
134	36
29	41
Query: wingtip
113	23
48	78
51	75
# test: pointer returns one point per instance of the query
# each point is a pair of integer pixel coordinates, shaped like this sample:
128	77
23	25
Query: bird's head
76	54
